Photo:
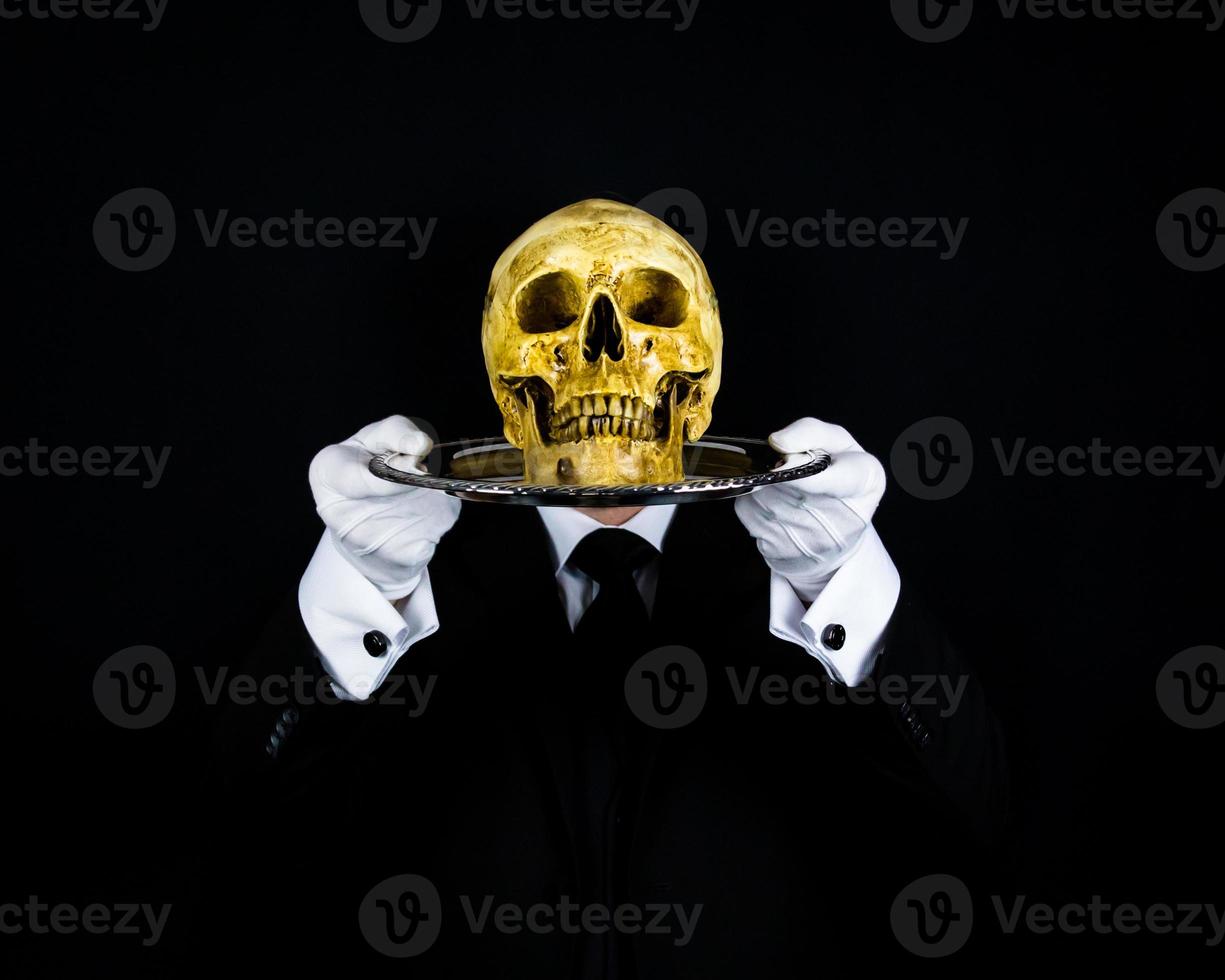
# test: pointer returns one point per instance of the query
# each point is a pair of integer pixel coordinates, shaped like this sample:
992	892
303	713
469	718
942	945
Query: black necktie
611	634
617	615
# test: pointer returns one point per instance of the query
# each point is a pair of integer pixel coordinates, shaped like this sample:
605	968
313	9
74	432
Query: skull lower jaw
560	448
603	460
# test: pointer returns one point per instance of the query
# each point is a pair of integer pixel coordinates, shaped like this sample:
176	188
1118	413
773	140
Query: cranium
603	345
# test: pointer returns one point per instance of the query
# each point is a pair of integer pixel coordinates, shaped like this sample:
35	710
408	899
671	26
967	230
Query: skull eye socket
548	302
655	297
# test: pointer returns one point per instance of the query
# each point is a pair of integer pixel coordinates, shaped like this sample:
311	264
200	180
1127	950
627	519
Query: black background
1059	320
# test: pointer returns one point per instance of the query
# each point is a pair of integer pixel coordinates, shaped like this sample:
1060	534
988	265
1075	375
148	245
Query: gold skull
603	346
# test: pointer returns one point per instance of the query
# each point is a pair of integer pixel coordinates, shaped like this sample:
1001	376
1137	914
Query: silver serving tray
491	471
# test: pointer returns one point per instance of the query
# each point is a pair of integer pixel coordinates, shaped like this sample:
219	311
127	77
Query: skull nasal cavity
602	334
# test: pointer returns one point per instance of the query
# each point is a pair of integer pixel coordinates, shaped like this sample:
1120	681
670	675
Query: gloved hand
387	531
808	529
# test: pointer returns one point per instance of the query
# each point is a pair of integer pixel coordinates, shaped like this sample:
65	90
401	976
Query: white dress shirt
340	607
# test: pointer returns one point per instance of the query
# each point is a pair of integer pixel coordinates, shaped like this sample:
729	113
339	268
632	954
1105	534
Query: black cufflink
833	636
375	643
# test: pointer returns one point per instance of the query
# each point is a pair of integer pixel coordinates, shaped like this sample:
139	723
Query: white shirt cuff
859	597
340	607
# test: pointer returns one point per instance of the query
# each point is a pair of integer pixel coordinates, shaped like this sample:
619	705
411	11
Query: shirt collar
567	527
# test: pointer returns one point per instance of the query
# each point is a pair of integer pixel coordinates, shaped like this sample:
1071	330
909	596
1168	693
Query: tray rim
601	495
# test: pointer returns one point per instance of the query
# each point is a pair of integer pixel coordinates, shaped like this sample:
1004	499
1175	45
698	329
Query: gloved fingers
792	460
798	568
428	512
343	472
768	519
383	571
395	434
404	542
810	433
852	476
790	542
789	552
753	509
817	524
363	519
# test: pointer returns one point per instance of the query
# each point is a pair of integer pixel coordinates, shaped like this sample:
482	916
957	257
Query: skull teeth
603	415
609	415
600	406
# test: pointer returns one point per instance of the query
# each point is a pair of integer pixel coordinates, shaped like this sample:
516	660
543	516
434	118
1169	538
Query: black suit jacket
793	825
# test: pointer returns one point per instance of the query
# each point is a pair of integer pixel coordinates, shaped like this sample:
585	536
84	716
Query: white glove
808	529
387	531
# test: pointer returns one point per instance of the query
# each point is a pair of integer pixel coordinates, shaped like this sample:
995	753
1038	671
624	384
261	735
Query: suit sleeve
295	716
929	721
